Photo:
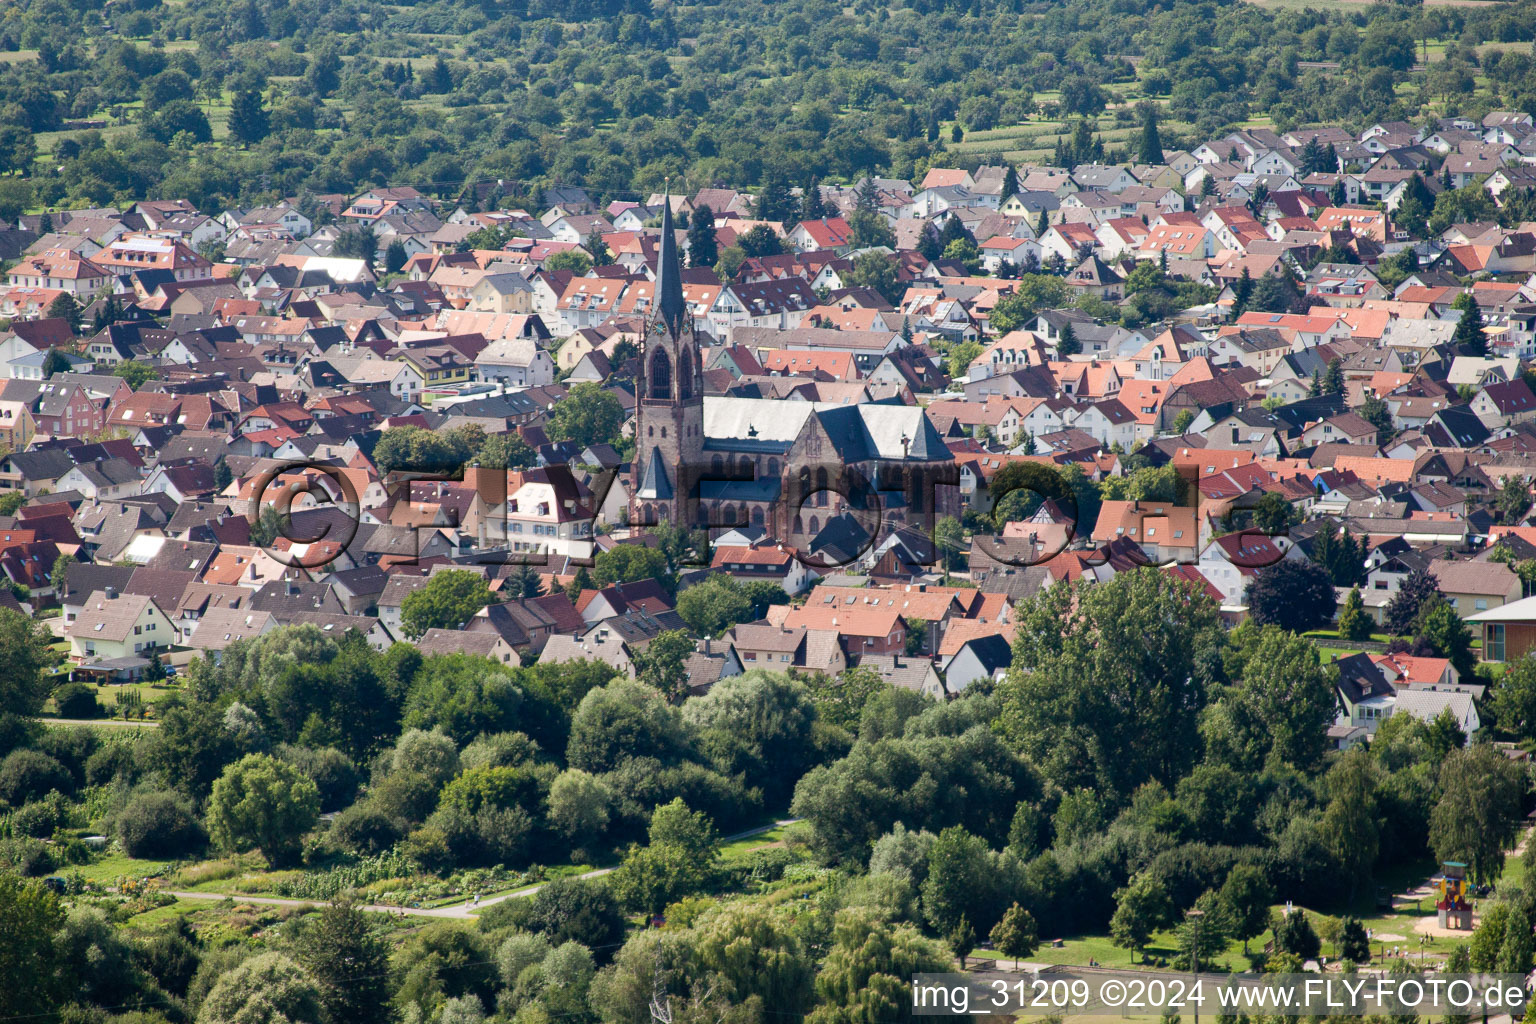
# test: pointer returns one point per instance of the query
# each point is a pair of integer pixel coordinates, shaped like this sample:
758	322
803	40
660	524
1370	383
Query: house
1508	632
827	233
223	625
1504	404
458	641
1476	585
114	625
766	561
982	657
916	674
517	361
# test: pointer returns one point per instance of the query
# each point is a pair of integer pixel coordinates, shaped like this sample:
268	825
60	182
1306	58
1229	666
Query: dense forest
230	103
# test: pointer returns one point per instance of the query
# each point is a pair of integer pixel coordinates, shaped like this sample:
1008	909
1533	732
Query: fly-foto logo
828	515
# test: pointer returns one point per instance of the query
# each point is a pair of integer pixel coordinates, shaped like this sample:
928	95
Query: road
458	911
99	721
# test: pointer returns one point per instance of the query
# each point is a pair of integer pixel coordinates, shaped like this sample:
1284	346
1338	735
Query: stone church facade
791	468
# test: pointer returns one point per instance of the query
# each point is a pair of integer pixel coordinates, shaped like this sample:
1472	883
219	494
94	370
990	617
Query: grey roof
657	486
860	432
669	283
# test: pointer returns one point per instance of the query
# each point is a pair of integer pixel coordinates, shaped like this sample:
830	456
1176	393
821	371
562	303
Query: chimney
707	649
111	593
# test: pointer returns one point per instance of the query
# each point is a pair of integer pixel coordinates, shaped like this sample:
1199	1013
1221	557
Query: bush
333	772
111	762
159	824
567	909
38	820
27	857
77	700
364	829
27	775
72	747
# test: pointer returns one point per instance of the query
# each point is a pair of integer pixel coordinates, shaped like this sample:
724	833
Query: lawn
113	866
739	849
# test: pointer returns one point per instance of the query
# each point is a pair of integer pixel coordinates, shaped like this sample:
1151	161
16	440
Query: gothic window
773	468
661	376
716	466
757	515
685	375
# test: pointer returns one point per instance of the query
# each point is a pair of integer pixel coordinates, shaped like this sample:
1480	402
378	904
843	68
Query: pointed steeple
669	275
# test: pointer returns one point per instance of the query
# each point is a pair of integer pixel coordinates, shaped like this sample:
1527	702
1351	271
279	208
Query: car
170	671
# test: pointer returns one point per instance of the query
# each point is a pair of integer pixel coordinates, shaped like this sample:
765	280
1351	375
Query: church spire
669	275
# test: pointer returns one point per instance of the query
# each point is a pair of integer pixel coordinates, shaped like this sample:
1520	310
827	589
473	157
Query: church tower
669	411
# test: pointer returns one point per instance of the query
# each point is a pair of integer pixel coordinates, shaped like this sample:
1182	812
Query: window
1481	604
1493	641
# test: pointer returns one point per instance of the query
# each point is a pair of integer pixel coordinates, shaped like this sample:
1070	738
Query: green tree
714	606
841	699
752	954
448	601
703	248
64	307
877	271
35	984
1374	411
587	415
269	987
22	685
580	805
868	229
1477	814
1151	142
1350	821
261	802
663	663
395	257
137	374
1354	944
1031	293
1516	951
626	563
1291	594
1416	592
1118	666
1067	344
652	877
249	121
1015	934
349	963
1294	934
1354	623
949	536
270	524
359	242
1448	635
1513	699
1513	500
577	262
1141	907
867	974
1245	899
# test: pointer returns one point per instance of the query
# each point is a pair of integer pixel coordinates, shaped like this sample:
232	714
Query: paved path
458	911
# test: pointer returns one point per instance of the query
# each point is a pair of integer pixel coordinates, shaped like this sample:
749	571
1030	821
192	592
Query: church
791	468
